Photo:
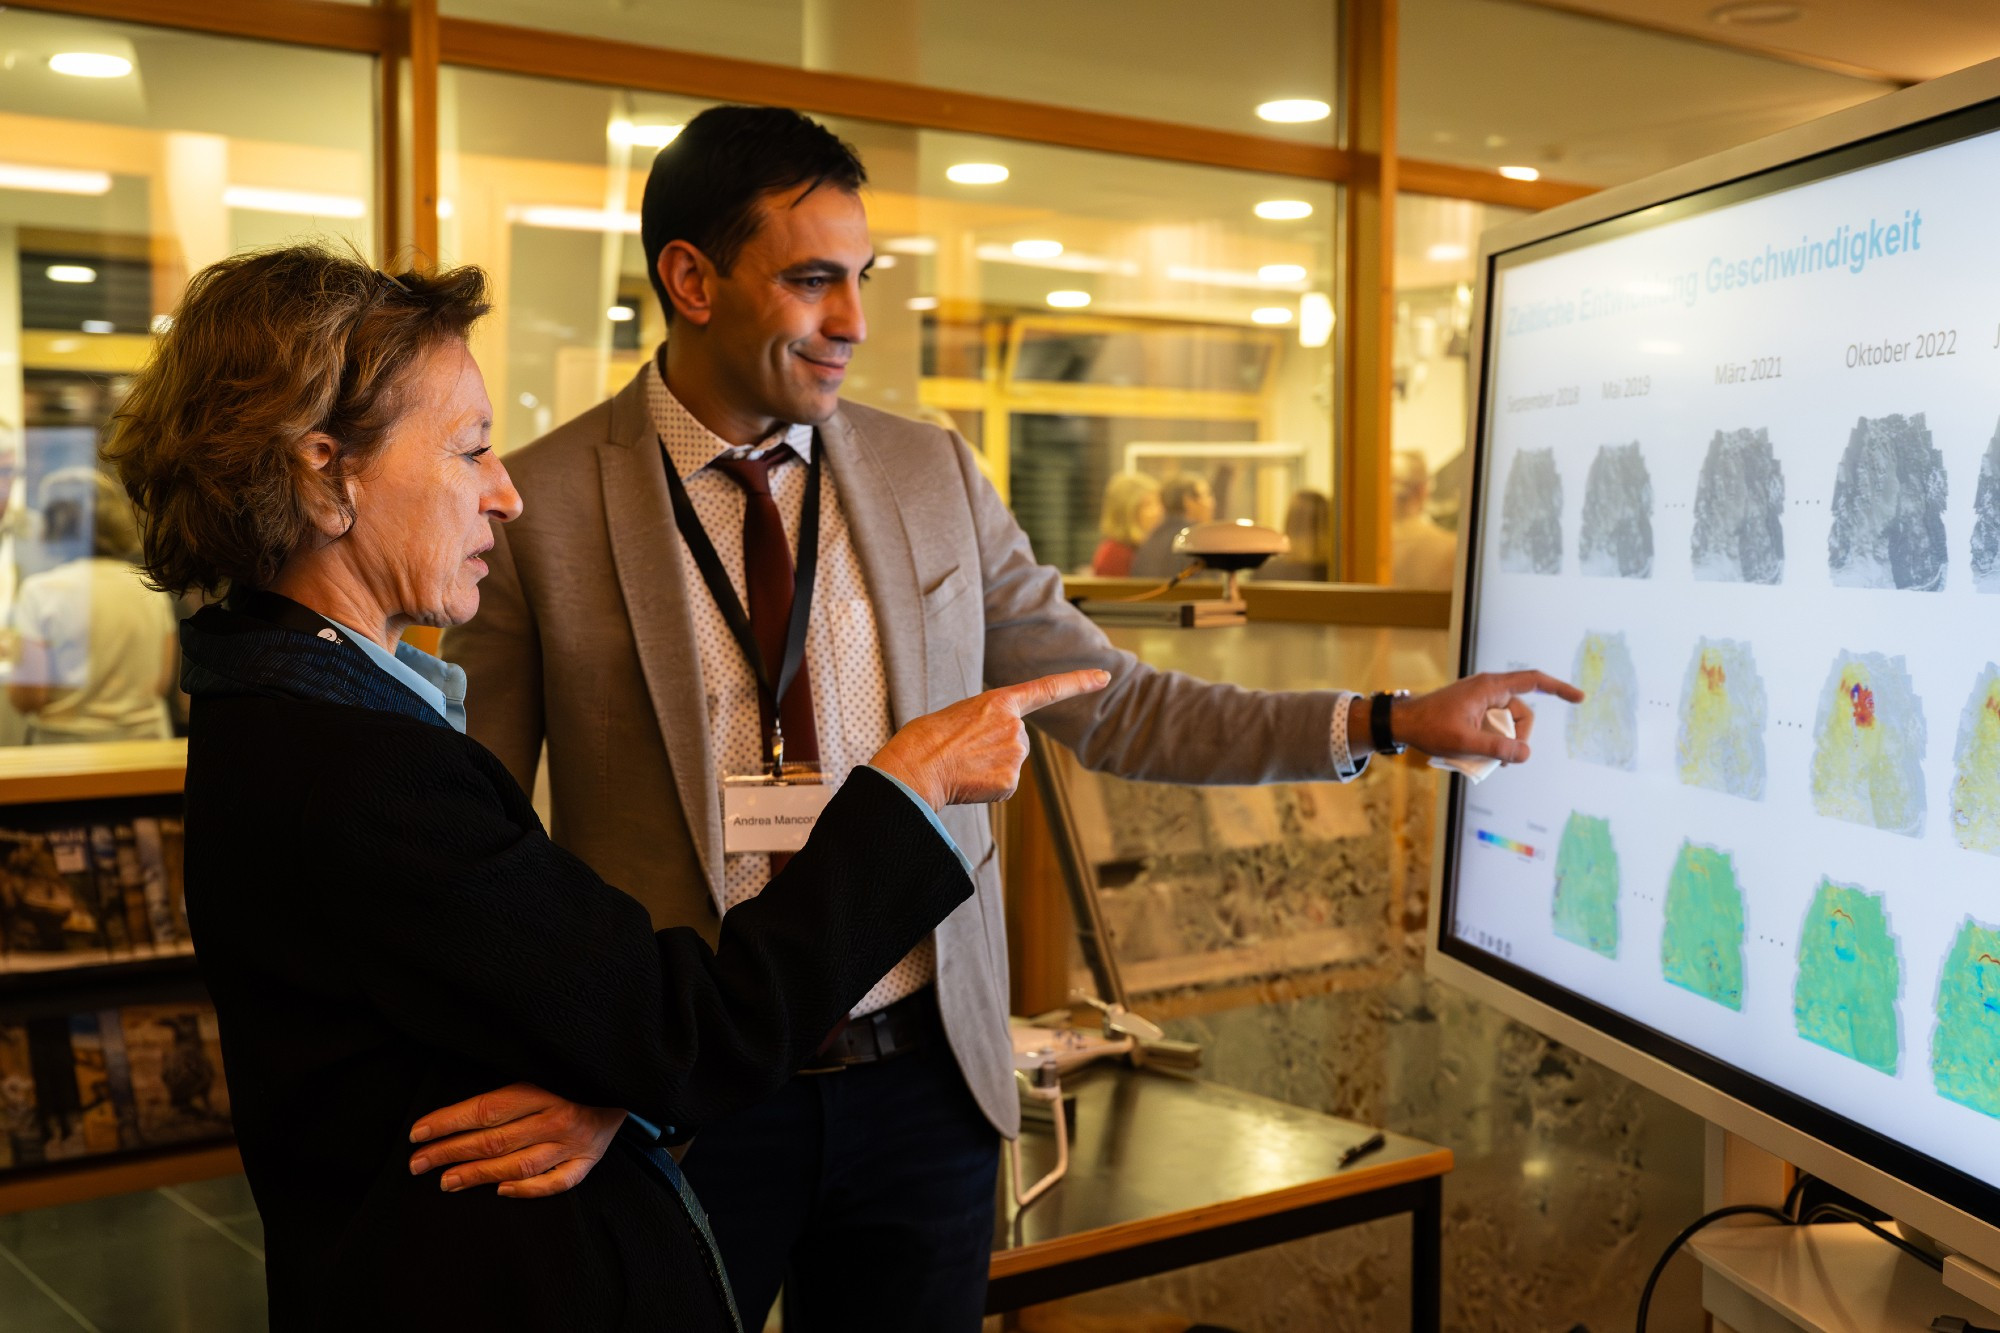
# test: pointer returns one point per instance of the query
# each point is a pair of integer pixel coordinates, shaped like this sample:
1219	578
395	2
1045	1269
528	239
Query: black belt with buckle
893	1030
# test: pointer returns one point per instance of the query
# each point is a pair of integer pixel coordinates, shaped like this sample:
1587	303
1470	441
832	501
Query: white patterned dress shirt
843	652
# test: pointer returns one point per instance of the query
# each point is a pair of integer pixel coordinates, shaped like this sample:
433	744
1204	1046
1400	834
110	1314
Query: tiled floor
187	1259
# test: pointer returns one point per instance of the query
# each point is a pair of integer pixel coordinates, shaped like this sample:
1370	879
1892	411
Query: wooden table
1167	1171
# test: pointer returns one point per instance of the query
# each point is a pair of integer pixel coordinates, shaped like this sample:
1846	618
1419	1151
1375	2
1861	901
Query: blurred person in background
1306	523
1425	555
1186	500
1132	509
94	654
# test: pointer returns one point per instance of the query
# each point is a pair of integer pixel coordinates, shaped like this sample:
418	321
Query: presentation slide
1741	483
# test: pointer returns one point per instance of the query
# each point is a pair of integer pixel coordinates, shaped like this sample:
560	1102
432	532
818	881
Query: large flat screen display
1738	477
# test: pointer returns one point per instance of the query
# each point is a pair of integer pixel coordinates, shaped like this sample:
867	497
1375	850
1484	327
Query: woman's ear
320	452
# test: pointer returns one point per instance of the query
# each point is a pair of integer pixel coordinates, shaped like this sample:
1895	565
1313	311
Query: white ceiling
1908	40
1484	83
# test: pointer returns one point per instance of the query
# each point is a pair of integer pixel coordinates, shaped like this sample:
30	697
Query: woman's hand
531	1143
971	753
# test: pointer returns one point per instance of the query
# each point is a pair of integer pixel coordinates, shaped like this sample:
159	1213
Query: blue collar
439	683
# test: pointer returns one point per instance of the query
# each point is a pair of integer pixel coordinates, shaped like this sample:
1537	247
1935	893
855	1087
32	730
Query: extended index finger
1538	682
1029	695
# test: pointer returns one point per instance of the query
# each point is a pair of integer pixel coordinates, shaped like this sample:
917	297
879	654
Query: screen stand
1758	1277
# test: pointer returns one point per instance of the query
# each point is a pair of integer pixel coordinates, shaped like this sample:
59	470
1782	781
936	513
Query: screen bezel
1688	192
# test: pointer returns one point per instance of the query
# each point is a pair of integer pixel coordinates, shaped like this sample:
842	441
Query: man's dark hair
1176	491
705	185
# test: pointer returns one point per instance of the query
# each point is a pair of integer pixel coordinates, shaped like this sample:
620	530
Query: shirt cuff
1345	767
929	814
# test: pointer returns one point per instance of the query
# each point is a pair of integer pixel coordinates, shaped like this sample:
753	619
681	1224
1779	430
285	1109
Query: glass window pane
1210	65
1436	244
1604	103
1087	316
170	151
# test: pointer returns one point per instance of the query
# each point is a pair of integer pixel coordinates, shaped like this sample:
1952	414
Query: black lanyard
726	601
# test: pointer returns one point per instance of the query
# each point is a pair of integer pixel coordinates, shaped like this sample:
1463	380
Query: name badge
765	814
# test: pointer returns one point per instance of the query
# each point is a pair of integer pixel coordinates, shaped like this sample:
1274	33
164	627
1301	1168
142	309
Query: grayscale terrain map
1986	522
1888	508
1531	515
1739	508
1617	539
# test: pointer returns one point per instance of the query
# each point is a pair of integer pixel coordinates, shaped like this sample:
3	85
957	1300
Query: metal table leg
1427	1258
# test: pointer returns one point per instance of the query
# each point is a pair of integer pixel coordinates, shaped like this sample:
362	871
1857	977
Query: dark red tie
767	569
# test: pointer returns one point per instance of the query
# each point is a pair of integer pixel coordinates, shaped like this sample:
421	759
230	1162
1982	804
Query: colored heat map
1850	978
1586	902
1701	947
1868	750
1965	1048
1975	792
1604	728
1721	743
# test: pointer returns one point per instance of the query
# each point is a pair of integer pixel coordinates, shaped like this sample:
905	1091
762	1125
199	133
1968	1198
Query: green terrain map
1965	1049
1702	945
1586	905
1849	977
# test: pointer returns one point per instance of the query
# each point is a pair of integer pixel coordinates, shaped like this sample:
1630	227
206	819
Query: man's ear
689	280
320	451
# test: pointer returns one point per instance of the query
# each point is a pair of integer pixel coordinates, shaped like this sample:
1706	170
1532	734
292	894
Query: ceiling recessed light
1069	300
911	245
642	136
259	200
1271	314
921	303
1037	249
620	314
90	65
71	273
1444	252
1284	210
446	209
99	326
1521	173
1294	111
1282	273
885	262
54	180
976	173
1754	15
1315	319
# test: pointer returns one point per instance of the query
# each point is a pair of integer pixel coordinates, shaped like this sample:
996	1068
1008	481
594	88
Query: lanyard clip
777	751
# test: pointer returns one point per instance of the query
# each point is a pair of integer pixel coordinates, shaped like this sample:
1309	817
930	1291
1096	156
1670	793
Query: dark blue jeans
868	1193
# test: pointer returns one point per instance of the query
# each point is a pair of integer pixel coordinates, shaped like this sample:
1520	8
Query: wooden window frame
412	42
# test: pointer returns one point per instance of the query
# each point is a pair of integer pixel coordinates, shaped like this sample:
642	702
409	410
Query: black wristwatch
1380	734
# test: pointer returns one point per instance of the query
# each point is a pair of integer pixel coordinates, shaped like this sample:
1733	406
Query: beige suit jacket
584	640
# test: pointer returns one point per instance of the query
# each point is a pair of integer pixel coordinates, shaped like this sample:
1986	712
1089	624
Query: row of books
91	893
84	1085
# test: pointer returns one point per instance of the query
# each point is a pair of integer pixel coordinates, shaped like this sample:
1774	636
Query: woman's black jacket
386	929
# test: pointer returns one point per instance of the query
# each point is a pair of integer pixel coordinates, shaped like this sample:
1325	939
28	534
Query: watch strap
1380	733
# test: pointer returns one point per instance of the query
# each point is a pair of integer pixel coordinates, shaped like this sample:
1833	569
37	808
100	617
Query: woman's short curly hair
266	349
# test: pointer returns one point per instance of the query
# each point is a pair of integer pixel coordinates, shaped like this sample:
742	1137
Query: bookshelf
32	776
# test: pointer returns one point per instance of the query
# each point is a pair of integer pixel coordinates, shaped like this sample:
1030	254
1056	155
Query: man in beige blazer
867	1190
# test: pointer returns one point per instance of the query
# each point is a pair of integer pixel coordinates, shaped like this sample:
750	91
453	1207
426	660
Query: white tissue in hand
1478	770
